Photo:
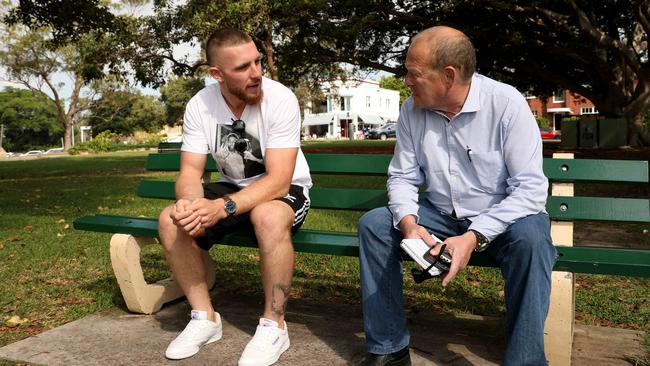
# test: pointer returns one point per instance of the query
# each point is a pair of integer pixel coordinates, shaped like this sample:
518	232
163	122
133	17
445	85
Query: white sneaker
268	343
198	332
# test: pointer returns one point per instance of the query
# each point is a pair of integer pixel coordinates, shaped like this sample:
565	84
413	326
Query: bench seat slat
614	261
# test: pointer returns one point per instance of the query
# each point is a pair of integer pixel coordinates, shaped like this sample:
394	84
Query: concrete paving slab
321	334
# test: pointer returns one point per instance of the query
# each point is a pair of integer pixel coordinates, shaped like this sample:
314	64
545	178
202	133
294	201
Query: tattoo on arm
280	297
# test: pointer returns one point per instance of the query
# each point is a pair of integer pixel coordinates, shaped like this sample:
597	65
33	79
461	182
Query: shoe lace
265	336
190	330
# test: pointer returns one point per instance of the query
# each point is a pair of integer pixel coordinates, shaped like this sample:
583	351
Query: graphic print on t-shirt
238	156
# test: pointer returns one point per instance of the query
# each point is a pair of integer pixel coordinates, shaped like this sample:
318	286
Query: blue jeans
524	253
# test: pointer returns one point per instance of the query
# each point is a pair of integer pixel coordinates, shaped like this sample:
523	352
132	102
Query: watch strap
481	241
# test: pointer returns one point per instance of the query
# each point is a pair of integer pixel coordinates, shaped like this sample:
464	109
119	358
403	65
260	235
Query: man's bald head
448	47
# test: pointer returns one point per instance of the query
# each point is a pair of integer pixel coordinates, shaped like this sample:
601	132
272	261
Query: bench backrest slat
598	208
559	208
377	164
596	170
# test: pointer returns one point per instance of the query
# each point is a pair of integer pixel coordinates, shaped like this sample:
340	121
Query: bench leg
141	297
558	329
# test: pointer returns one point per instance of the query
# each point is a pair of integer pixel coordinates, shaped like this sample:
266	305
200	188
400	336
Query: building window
558	96
534	112
329	103
345	103
588	110
368	102
387	104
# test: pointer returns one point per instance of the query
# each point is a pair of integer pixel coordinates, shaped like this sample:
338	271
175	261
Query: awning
318	119
371	119
559	110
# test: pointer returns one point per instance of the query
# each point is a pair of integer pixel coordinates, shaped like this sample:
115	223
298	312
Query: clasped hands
194	216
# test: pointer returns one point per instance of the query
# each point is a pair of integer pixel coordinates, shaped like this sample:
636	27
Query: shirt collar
473	102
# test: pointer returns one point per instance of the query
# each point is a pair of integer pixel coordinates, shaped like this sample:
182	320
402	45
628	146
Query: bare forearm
188	188
266	189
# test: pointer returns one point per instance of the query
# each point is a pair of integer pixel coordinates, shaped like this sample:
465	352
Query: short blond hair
224	37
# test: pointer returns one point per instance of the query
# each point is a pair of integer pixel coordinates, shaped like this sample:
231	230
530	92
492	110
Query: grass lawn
51	274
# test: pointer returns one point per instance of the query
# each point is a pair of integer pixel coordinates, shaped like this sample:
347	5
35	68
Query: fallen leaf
37	190
67	226
57	207
60	235
15	321
28	228
2	246
61	221
15	238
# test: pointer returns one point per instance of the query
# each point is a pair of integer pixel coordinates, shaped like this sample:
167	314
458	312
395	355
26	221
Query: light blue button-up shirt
485	164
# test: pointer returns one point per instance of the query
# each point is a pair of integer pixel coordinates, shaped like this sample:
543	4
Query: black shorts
296	199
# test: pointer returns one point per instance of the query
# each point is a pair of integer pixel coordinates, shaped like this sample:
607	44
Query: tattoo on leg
280	297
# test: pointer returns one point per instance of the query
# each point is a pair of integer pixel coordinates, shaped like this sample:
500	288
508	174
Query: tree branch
644	16
603	39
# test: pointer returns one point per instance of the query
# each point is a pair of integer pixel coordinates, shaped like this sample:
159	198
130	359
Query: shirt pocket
490	170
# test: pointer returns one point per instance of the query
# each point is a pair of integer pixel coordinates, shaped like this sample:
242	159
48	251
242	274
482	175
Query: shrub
103	142
542	122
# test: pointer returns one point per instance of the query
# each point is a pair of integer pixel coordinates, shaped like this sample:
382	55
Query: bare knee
167	229
272	222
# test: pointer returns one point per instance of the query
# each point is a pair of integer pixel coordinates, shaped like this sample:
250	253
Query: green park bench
132	233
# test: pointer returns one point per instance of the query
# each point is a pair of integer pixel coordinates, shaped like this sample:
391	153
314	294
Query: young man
251	126
474	144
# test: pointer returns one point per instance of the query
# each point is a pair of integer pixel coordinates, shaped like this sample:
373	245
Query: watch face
230	206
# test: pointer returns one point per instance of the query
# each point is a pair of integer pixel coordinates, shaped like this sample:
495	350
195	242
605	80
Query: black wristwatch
229	206
481	241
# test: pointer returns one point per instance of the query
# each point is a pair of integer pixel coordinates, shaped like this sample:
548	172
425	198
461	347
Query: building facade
563	103
349	108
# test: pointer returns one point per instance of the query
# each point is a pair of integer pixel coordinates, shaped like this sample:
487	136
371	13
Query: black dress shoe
399	358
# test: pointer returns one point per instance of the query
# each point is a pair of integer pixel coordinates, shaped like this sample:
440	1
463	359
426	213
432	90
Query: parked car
32	152
9	154
54	151
548	133
383	132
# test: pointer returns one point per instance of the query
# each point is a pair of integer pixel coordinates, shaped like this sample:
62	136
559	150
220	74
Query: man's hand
411	230
209	211
184	217
460	248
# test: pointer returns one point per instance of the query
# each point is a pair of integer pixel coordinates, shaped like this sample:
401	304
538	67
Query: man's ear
449	74
215	73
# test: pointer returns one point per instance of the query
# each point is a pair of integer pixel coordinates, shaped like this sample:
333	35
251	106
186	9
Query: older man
474	144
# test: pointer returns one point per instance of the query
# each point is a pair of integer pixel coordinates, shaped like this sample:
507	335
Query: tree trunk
67	136
638	134
267	46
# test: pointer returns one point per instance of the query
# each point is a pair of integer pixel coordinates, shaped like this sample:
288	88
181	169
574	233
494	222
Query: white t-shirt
273	123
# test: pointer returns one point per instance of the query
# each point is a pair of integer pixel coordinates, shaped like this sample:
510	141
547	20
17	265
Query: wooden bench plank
377	164
596	170
613	261
559	208
598	208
